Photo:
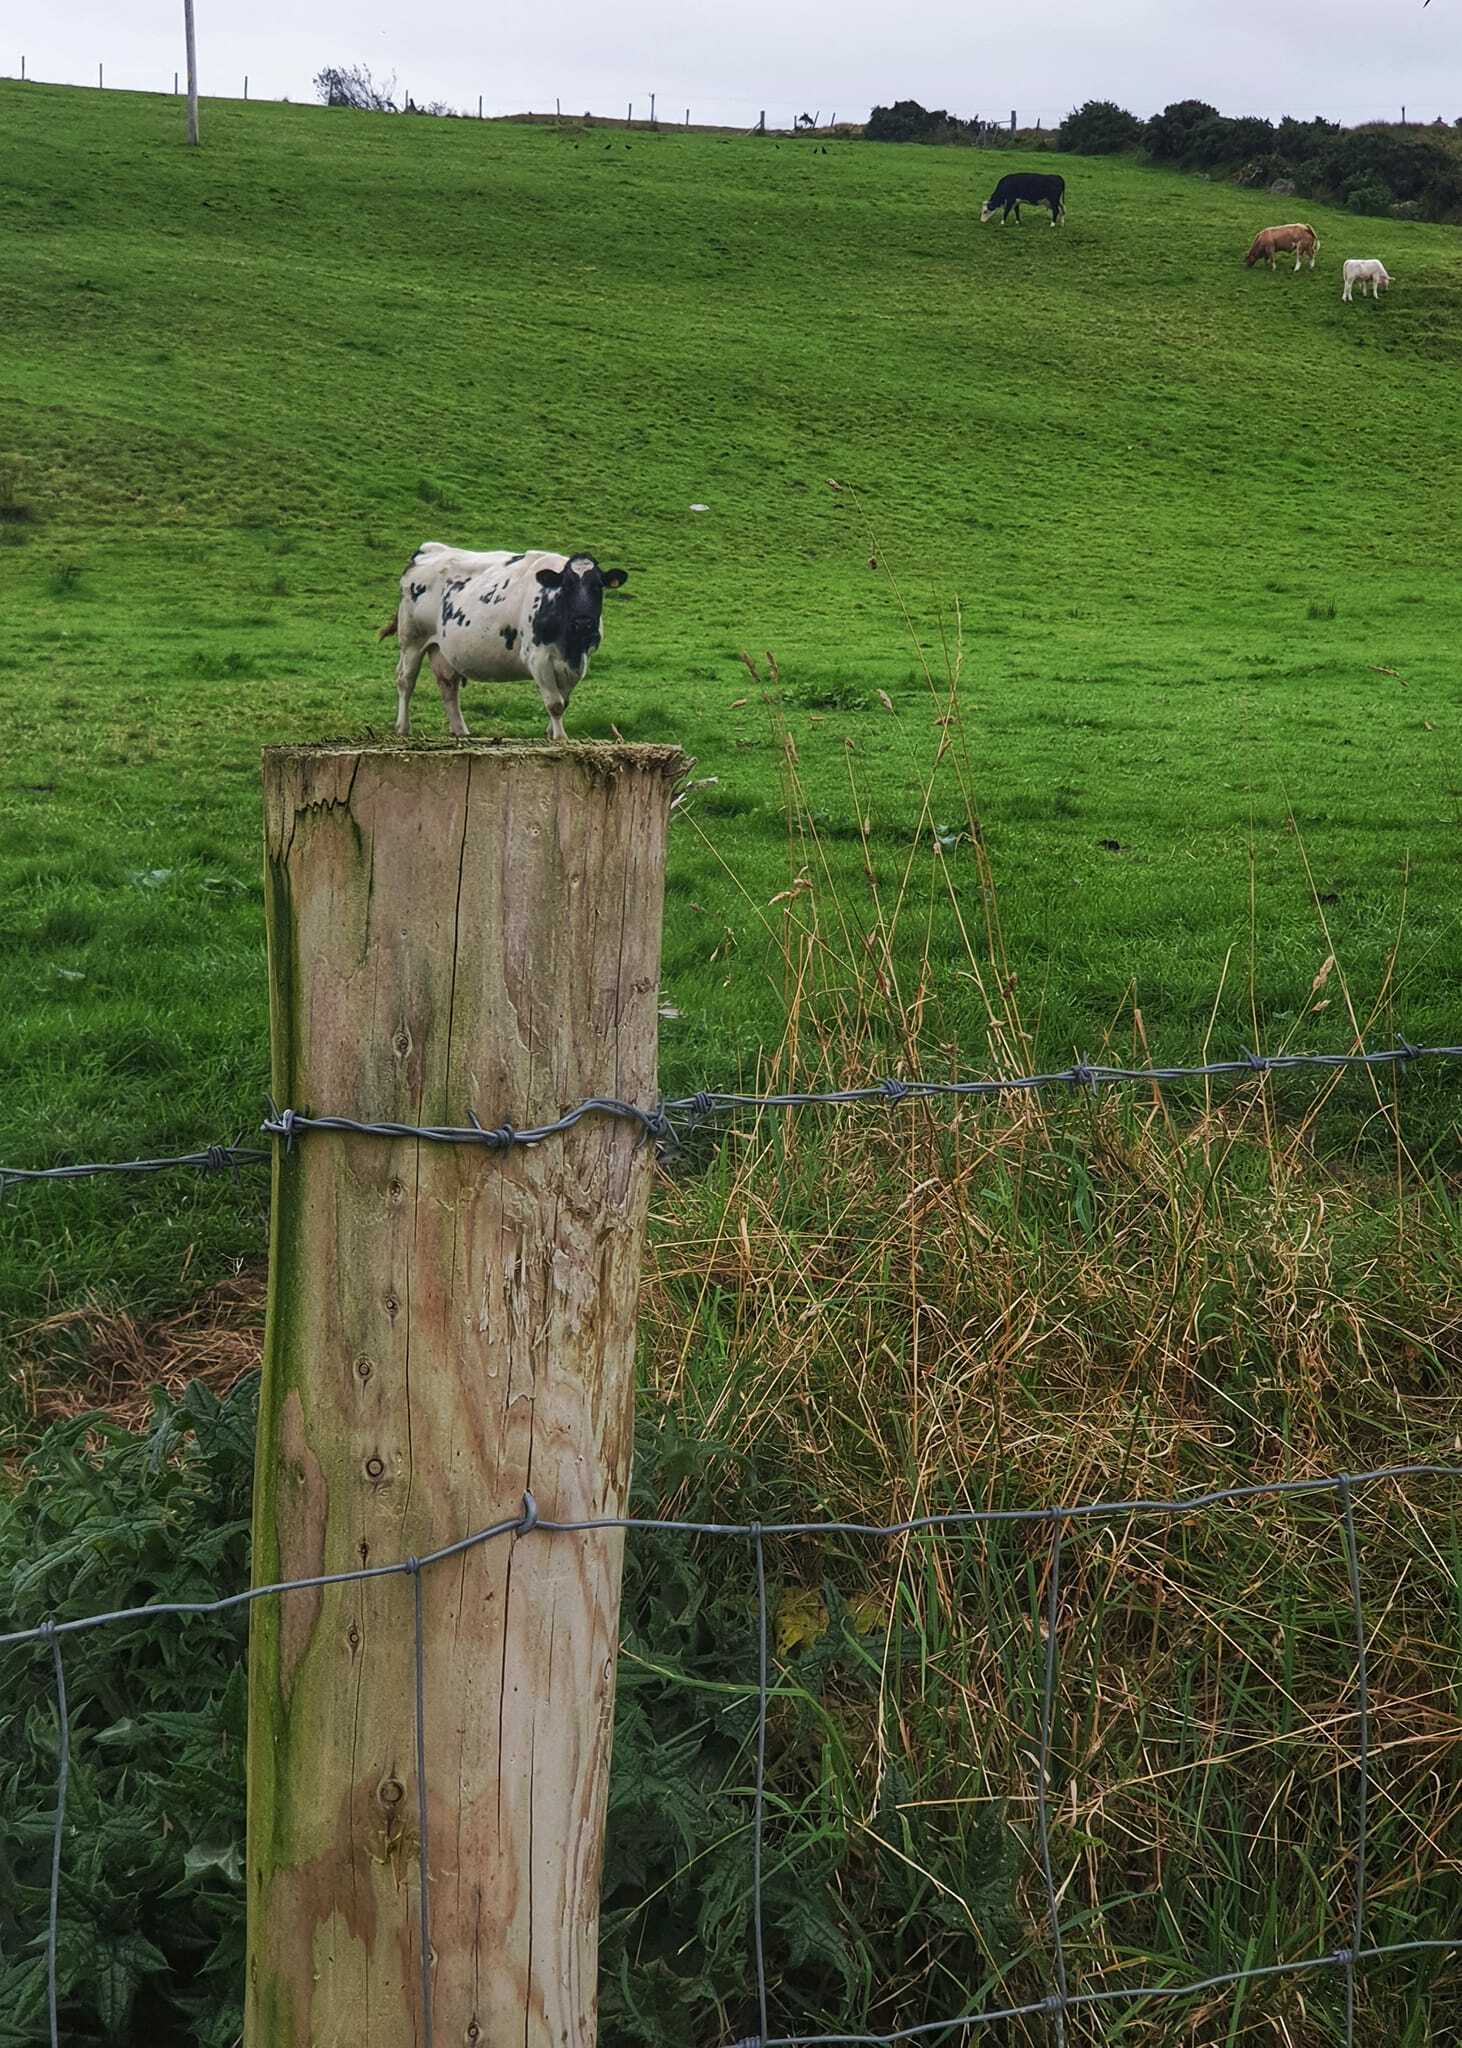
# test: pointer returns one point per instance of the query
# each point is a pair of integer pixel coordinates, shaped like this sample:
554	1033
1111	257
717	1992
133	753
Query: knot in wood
392	1792
375	1467
401	1043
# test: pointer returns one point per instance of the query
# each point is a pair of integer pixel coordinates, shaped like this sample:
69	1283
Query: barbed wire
1058	2003
675	1114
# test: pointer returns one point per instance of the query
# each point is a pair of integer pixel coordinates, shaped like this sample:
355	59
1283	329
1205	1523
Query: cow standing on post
1036	188
497	618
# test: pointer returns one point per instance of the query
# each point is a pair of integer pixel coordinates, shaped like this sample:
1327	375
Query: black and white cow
497	618
1034	187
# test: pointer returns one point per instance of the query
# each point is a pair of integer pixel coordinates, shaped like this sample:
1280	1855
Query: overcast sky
1347	59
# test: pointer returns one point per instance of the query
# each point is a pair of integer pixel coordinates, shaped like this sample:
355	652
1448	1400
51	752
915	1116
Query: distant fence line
1049	118
1347	1956
676	1114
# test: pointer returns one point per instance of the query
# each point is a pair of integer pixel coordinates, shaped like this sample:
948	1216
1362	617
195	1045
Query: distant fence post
450	931
192	56
1012	120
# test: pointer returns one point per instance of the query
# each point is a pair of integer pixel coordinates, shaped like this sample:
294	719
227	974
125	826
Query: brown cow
1269	241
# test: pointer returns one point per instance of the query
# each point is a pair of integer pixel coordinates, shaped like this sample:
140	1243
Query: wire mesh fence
1344	1954
1346	1947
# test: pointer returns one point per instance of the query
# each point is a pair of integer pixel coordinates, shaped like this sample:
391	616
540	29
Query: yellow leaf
867	1614
801	1619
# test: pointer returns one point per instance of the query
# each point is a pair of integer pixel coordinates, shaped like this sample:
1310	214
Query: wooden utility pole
192	74
451	930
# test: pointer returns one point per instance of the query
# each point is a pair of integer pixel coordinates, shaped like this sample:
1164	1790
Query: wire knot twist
280	1123
528	1520
411	1567
1344	1956
499	1139
658	1125
1407	1049
1082	1076
701	1104
892	1090
1256	1063
219	1159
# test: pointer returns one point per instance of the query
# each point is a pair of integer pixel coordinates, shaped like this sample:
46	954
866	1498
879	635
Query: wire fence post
192	53
450	1329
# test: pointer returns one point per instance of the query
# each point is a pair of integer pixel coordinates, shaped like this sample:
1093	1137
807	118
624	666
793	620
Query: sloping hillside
1190	532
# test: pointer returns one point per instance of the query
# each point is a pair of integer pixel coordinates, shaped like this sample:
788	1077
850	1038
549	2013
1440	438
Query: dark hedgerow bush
1370	196
1166	136
907	121
1099	128
1220	141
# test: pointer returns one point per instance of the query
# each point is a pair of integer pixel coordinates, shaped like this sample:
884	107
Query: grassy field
1183	529
1101	616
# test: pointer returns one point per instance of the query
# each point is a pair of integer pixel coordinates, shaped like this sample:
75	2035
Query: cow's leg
408	667
450	684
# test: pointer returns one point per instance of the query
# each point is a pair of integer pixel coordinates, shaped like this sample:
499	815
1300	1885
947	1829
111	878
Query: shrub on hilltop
1168	134
1099	128
907	121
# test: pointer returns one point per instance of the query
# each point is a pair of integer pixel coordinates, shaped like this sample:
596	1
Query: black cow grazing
1034	187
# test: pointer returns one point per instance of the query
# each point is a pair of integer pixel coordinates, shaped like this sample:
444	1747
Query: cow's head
988	211
573	599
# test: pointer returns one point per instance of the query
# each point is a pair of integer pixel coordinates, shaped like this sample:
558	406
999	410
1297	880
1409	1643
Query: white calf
1365	271
497	618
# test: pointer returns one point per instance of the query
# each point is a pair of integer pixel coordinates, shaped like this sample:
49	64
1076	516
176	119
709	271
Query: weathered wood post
192	50
450	930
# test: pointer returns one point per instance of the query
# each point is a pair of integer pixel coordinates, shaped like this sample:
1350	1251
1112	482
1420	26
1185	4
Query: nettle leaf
224	1857
120	1967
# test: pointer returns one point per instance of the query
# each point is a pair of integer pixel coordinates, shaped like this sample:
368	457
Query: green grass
1189	527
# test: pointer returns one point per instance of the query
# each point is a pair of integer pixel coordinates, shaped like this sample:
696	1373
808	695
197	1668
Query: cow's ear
550	578
614	577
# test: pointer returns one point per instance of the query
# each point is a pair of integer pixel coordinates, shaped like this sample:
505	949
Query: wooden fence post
451	930
192	52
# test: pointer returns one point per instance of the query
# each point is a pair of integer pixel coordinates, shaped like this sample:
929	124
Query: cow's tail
388	631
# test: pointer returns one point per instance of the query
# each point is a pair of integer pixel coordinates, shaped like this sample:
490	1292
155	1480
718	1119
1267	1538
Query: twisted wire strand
663	1122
